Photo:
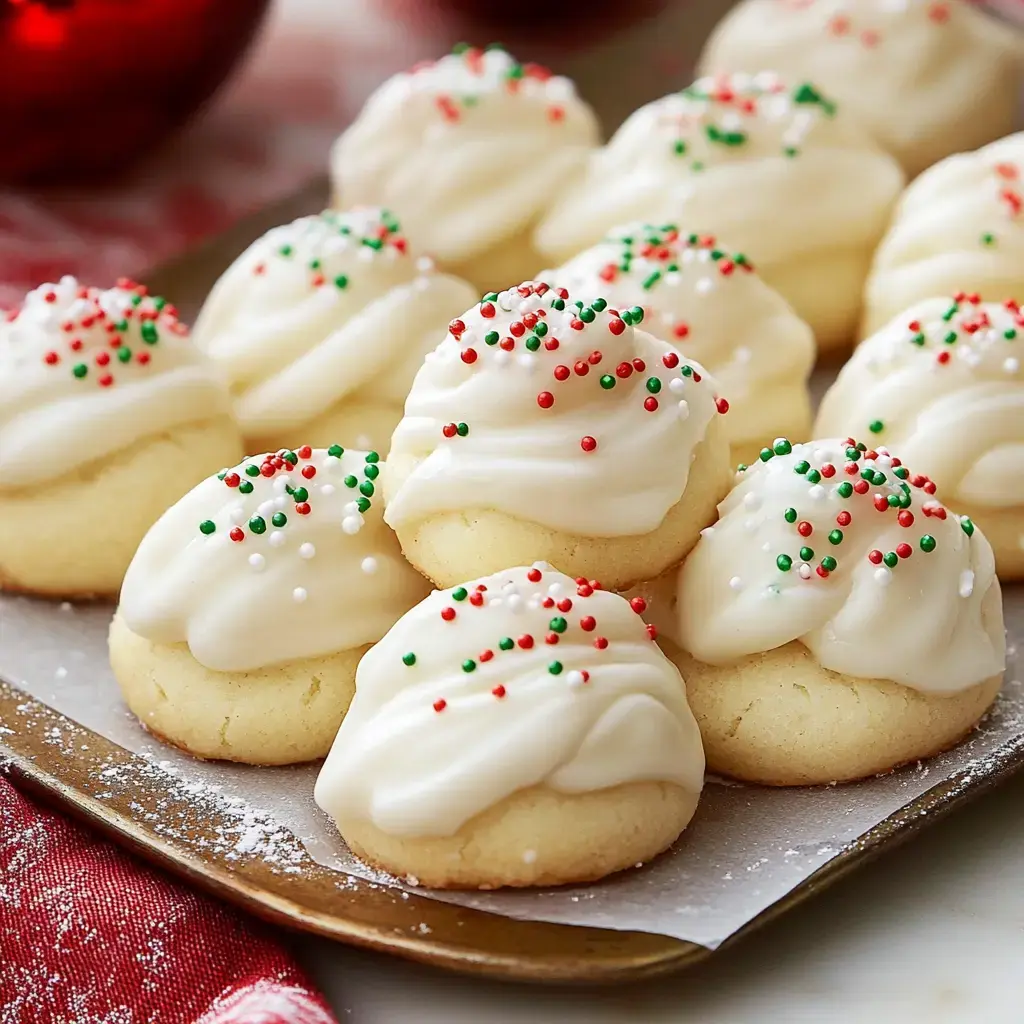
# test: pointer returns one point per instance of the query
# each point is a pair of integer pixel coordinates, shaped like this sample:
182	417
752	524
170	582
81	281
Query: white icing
916	623
470	149
330	308
777	171
295	590
427	746
53	422
959	421
959	226
925	77
709	302
529	461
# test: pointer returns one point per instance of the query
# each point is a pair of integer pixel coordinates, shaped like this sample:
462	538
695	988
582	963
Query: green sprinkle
637	313
258	524
967	526
828	563
1010	333
679	147
314	264
372	471
651	280
207	526
468	665
533	343
918	339
686	371
350	481
490	297
366	487
806	554
653	385
950	338
988	238
80	370
362	504
835	537
814	477
291	458
587	315
890	558
341	281
558	304
927	542
491	337
790	515
252	470
373	243
300	494
558	625
506	643
462	429
784	562
845	489
607	382
801	467
336	451
285	250
599	304
782	447
555	668
279	519
902	472
542	328
122	326
893	500
765	454
124	354
409	659
245	487
460	594
876	426
372	456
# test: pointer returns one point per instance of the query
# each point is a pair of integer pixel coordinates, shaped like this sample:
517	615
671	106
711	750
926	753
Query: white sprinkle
766	546
556	590
327	490
365	254
276	539
574	680
424	264
257	561
237	514
529	856
352	524
804	571
368	565
684	410
966	583
1011	365
306	550
743	354
704	285
299	595
495	602
883	577
677	385
750	525
817	492
736	583
527	361
501	357
267	508
752	500
61	672
515	603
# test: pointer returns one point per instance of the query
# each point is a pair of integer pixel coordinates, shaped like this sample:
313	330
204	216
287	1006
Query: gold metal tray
365	914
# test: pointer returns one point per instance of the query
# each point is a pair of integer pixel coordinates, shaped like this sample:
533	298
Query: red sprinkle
861	486
588	443
565	604
904	550
616	326
562	372
905	518
880	502
594	358
237	535
545	399
456	327
534	575
875	556
486	655
670	359
601	643
51	358
651	404
449	430
309	471
304	452
551	638
652	631
588	622
469	355
828	470
302	508
804	528
722	405
623	370
440	705
487	310
638	604
499	691
844	519
525	641
447	614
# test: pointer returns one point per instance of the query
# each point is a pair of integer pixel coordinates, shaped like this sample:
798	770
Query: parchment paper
746	848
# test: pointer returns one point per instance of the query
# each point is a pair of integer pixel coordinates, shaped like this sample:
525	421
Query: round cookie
249	604
958	227
712	304
470	149
942	384
925	77
320	327
782	172
543	427
107	416
836	621
522	729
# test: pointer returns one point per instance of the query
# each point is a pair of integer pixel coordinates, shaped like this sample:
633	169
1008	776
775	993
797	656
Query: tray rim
593	955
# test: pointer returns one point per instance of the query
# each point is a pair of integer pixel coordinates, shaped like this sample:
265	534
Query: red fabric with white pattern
89	935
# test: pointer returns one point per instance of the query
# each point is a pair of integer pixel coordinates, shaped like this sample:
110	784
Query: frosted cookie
320	327
249	604
836	621
925	77
470	149
708	301
942	384
522	729
108	415
959	227
779	170
546	427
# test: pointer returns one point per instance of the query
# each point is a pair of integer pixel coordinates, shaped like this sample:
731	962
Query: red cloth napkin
89	935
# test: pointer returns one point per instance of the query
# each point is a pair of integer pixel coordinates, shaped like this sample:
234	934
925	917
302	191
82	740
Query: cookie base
780	719
281	714
537	837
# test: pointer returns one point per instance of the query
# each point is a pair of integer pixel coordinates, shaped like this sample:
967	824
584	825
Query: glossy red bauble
87	85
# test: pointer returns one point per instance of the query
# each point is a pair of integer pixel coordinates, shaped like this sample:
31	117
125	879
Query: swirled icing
329	308
776	170
519	679
925	77
846	551
554	411
710	302
284	556
470	149
942	385
85	372
959	226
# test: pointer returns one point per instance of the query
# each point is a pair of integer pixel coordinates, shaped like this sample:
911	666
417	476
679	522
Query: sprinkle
447	614
299	595
207	526
440	705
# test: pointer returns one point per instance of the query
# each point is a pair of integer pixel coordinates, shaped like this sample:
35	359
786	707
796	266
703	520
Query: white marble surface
931	933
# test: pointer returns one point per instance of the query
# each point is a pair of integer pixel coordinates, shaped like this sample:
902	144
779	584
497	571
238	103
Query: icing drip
328	308
86	372
710	302
470	148
284	556
848	552
519	679
555	411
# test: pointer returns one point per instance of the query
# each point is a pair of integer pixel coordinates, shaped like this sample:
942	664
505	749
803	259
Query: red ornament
88	85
